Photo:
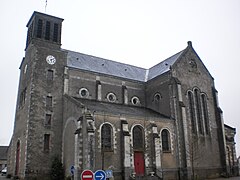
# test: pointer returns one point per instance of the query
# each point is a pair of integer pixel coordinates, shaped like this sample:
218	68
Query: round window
135	100
83	92
111	97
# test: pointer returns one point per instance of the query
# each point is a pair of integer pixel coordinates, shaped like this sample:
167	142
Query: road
232	178
2	177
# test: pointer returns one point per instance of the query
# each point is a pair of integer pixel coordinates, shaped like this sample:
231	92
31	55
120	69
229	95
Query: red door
139	163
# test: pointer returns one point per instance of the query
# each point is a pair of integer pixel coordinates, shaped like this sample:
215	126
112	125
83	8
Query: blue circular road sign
100	175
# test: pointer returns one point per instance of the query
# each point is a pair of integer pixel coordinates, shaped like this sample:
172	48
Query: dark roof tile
118	109
113	68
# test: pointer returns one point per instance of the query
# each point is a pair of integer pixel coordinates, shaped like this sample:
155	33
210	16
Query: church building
92	113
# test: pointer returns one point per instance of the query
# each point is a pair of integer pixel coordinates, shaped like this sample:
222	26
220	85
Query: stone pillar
126	150
84	142
187	152
66	81
187	142
174	114
125	95
157	151
76	152
224	141
98	90
91	140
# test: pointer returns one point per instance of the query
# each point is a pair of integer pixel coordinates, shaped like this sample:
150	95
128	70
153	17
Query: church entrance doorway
138	149
139	163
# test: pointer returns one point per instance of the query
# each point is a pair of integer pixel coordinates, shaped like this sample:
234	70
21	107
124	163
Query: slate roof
42	15
3	152
229	127
100	65
163	66
113	68
118	109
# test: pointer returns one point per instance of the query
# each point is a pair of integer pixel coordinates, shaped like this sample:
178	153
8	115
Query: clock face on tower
50	59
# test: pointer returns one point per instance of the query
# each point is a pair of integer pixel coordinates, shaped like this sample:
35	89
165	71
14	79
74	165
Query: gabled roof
163	66
113	68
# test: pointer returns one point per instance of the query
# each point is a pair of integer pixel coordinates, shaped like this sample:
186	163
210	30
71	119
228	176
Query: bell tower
45	28
39	116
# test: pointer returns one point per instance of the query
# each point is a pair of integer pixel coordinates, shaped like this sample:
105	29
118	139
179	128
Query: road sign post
87	175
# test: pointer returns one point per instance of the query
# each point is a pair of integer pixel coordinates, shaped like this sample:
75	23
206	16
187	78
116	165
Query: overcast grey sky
137	32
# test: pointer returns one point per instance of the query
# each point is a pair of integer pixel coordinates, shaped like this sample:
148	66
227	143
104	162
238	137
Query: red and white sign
87	175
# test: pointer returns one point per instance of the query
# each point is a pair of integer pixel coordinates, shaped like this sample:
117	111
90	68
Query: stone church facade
95	113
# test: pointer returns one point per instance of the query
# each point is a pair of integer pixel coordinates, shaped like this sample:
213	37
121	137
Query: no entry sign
87	175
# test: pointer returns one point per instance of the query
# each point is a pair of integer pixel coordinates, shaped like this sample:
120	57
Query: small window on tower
48	120
55	33
22	97
39	28
29	34
47	32
46	145
50	75
49	101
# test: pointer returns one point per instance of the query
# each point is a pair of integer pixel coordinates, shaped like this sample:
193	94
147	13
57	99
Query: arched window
198	108
165	135
157	97
135	100
138	138
106	137
205	113
192	112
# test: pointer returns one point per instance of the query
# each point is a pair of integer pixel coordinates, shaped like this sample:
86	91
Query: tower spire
46	6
